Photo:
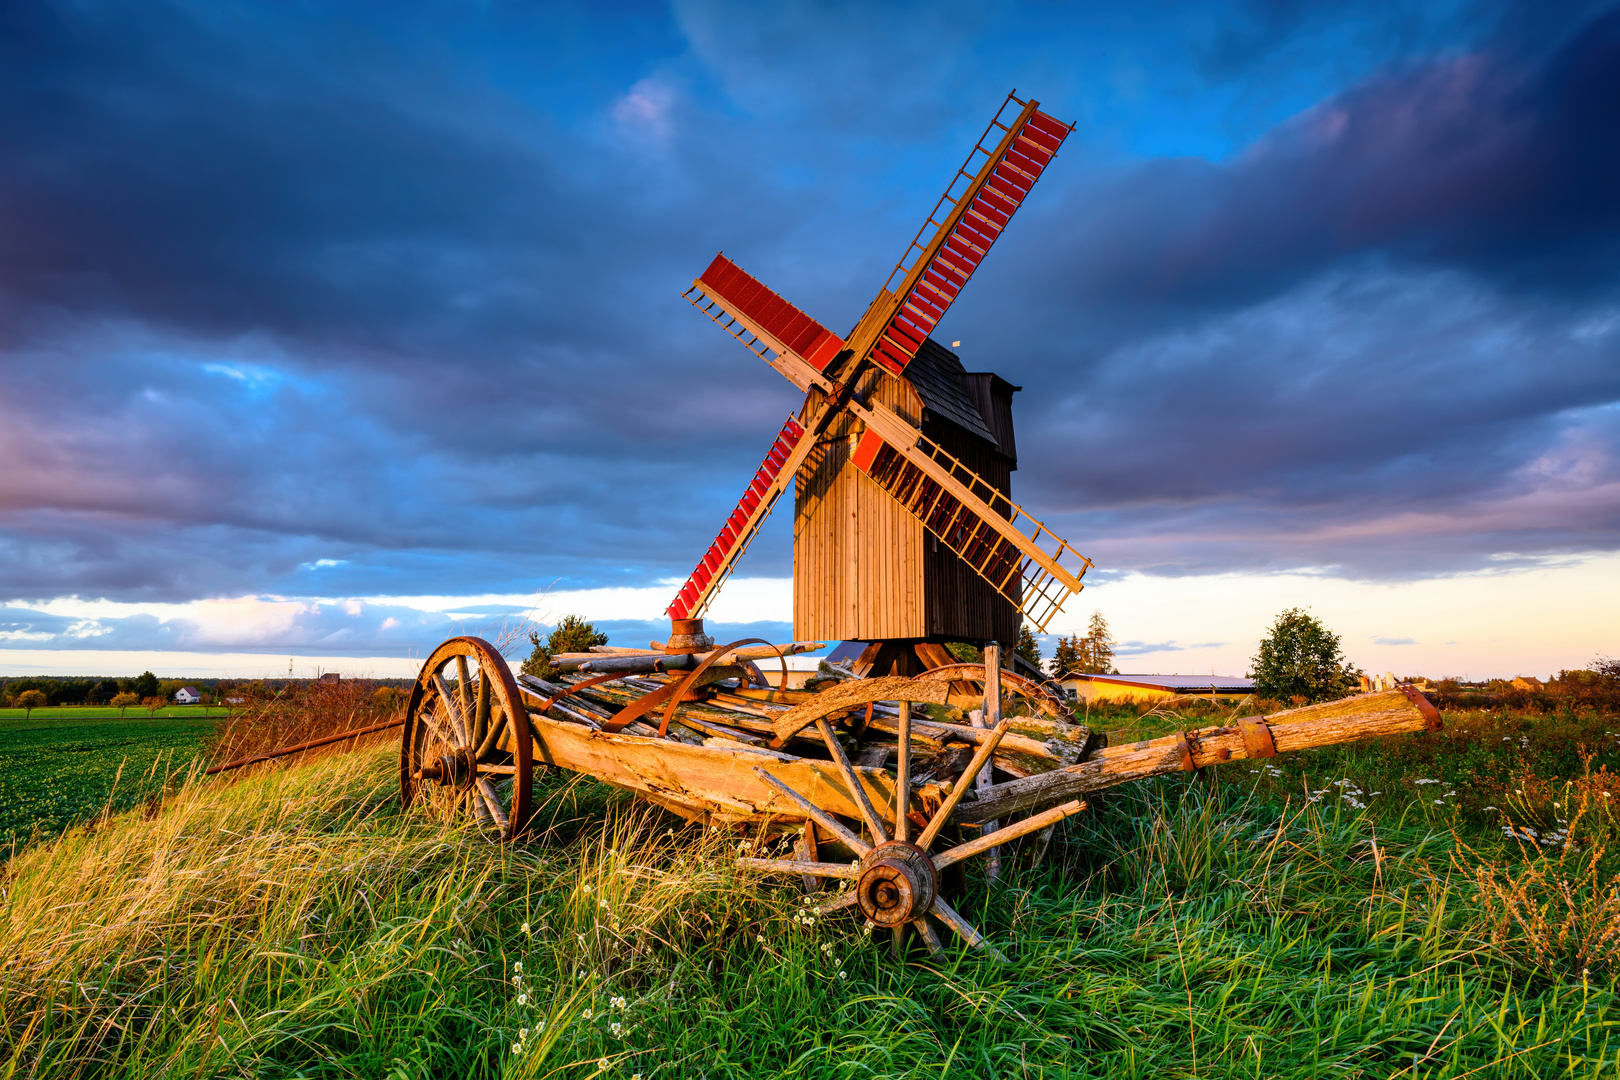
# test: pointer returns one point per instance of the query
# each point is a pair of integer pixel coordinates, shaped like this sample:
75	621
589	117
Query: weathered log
1366	716
636	661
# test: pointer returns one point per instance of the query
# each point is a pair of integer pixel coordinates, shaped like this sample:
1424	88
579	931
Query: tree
571	634
153	704
123	701
1028	647
29	700
1092	654
965	653
387	699
146	686
1300	659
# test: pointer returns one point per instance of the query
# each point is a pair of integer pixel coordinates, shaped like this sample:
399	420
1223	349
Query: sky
328	331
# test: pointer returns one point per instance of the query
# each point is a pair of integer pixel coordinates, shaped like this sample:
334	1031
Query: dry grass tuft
1558	910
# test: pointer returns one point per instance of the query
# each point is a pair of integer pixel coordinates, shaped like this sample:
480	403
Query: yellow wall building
1083	688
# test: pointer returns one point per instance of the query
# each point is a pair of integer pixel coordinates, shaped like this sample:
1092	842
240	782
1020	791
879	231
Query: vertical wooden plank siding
865	569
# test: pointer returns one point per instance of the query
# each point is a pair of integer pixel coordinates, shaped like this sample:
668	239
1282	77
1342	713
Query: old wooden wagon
882	782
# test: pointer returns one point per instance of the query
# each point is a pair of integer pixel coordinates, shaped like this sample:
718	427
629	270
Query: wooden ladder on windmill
1019	556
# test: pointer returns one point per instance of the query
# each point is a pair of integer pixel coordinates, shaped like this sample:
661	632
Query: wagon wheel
461	753
896	877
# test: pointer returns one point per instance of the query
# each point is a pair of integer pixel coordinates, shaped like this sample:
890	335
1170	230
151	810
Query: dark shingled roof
936	374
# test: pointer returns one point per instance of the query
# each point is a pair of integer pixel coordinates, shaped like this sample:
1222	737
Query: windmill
904	527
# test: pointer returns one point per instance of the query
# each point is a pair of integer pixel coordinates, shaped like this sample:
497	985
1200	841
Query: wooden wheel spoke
838	903
432	722
492	801
963	782
847	871
821	817
857	790
1030	824
964	929
450	708
926	930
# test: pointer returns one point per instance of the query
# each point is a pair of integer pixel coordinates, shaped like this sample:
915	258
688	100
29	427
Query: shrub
572	634
1302	659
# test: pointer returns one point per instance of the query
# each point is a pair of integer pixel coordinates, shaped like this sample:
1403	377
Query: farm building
1077	687
187	695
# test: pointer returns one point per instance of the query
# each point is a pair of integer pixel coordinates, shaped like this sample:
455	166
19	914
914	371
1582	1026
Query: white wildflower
617	1003
523	999
525	928
615	1027
518	965
586	1015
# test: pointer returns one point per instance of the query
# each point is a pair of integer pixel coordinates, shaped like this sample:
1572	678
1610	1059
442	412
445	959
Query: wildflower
523	1033
843	974
1606	795
1486	808
525	928
601	1063
617	1003
601	903
518	965
1425	781
586	1015
586	889
615	1027
762	939
1439	802
523	999
517	1048
635	1076
517	980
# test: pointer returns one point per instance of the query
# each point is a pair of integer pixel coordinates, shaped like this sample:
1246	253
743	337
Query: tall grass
296	923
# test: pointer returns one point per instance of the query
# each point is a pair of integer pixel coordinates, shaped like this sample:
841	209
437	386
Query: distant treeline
91	690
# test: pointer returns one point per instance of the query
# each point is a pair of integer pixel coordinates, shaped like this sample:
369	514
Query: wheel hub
897	883
450	770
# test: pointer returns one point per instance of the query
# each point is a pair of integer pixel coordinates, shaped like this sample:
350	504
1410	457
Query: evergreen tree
571	634
1028	647
1066	656
1302	660
146	686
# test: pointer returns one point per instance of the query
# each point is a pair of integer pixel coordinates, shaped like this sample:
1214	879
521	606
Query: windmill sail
946	250
770	480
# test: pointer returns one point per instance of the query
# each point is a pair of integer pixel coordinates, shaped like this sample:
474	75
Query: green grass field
56	770
106	712
1247	922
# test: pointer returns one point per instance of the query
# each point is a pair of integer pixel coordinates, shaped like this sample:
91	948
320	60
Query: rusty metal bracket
1257	740
1186	754
1431	715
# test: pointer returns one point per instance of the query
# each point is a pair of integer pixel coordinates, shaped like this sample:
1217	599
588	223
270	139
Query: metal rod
310	745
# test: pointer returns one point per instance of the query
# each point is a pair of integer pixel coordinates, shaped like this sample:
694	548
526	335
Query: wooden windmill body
864	567
901	460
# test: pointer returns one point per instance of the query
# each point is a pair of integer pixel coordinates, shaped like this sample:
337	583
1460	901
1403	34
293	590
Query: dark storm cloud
1386	338
293	302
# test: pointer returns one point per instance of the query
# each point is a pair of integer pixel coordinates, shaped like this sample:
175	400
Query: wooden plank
717	780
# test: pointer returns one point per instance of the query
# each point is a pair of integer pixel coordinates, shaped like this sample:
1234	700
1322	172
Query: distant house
1078	687
331	677
187	695
1528	682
